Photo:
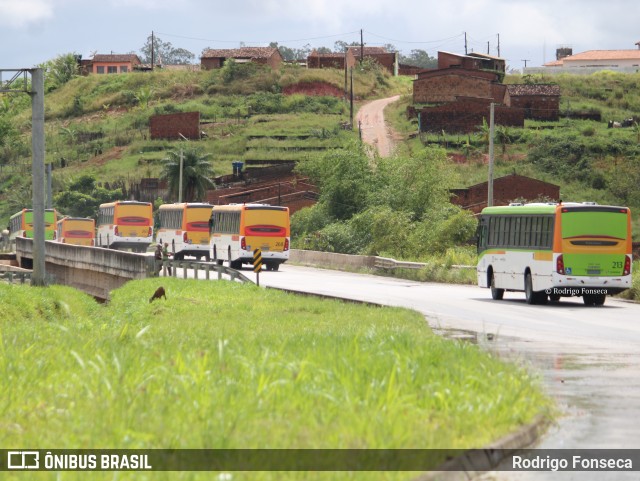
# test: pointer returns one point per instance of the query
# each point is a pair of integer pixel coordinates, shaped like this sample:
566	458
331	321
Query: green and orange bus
21	224
552	250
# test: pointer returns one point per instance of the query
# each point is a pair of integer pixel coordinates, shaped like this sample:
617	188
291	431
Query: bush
309	220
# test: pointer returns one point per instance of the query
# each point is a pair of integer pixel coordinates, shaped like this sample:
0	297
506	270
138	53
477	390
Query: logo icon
23	460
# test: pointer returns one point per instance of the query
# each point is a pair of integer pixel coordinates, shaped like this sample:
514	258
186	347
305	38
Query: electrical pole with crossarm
36	91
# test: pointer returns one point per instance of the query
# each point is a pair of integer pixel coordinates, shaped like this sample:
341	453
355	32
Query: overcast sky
33	31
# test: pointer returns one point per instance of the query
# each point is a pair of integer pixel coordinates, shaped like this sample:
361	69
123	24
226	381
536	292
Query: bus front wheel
496	294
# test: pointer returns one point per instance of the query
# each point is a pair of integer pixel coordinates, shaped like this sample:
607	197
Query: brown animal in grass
158	294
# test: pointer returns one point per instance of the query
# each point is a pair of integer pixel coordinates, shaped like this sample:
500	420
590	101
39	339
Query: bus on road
551	251
21	224
125	225
79	231
185	227
238	229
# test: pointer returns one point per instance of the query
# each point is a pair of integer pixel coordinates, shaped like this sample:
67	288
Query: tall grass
224	365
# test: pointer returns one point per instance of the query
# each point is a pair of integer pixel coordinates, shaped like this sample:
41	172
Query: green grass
225	365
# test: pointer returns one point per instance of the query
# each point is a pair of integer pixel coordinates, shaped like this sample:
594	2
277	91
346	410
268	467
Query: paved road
588	357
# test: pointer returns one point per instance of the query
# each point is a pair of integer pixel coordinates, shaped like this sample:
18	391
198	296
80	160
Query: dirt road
375	131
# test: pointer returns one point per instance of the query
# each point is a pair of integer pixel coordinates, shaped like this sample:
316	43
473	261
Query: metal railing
201	270
14	276
386	263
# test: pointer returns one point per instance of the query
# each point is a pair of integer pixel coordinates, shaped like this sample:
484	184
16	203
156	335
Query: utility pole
152	49
361	47
36	91
498	45
490	181
49	203
525	60
180	177
465	43
37	146
351	102
488	51
346	68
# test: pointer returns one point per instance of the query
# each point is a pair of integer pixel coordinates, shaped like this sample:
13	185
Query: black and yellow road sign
257	260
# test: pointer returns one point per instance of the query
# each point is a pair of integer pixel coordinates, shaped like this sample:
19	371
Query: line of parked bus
225	233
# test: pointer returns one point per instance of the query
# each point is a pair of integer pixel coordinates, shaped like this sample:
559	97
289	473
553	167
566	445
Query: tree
345	177
83	197
419	58
164	52
61	69
341	45
197	174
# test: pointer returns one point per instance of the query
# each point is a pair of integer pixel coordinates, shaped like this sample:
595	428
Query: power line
415	41
256	41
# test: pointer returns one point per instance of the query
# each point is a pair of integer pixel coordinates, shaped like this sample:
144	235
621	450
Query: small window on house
112	69
100	69
124	69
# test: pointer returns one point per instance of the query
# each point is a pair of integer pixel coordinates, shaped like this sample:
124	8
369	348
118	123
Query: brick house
330	60
445	85
112	63
175	126
465	114
540	102
213	59
387	60
472	61
505	189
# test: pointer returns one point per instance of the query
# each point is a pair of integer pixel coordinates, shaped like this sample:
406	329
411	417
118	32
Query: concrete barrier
330	259
94	270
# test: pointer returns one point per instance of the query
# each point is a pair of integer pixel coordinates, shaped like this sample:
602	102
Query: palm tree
197	174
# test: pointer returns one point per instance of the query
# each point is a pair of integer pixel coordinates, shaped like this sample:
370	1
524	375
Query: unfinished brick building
212	58
461	89
387	60
540	102
175	126
445	85
465	114
505	189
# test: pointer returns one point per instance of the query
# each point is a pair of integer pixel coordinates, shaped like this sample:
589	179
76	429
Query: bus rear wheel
594	299
496	294
532	296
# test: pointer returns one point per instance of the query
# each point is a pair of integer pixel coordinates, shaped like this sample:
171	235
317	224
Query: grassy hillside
99	124
195	371
586	158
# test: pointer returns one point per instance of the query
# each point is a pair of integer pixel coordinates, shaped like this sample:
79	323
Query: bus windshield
595	227
266	222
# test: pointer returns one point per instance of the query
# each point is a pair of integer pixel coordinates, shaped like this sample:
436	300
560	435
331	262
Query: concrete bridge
98	271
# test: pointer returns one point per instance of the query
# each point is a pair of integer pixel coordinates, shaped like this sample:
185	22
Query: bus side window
481	235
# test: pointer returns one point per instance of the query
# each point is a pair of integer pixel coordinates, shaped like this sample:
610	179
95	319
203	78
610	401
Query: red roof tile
533	89
130	57
604	55
243	52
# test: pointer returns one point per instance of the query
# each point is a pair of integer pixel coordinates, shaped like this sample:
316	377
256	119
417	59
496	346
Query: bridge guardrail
387	263
18	276
198	267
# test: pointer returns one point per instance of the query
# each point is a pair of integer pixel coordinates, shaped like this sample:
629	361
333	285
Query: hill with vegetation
98	128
